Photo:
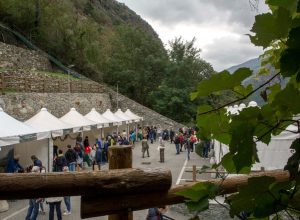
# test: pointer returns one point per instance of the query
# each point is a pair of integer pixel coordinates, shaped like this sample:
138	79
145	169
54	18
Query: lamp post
69	84
117	95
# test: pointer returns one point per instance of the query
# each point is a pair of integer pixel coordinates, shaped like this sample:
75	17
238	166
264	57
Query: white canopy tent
111	116
103	123
272	156
123	116
13	131
78	121
127	119
93	115
45	121
133	116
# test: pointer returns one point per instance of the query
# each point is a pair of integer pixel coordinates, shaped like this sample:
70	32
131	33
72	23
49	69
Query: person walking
177	144
54	203
145	147
71	157
60	161
67	199
172	134
33	209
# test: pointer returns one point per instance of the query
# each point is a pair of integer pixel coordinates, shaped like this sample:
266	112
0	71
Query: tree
279	32
136	62
184	70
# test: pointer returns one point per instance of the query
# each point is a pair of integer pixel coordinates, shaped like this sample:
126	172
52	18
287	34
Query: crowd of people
95	154
184	139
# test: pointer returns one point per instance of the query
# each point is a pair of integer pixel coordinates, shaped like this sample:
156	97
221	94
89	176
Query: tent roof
290	133
12	127
45	121
76	119
13	131
97	117
133	116
122	115
111	116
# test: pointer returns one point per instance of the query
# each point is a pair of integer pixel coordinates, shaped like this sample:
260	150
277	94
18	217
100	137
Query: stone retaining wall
23	106
17	57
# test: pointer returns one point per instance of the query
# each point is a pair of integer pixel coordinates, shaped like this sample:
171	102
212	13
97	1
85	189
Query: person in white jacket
54	202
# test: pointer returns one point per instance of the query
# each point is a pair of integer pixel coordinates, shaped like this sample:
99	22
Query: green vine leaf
290	5
252	199
269	27
214	125
221	81
198	195
293	162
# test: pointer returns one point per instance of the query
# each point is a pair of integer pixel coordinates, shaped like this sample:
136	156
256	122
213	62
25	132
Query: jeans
188	150
205	150
72	166
58	210
177	148
33	210
67	200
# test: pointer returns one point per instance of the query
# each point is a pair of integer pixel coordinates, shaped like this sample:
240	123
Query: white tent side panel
272	156
37	148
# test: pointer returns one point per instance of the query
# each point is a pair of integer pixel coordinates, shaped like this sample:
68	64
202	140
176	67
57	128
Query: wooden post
2	84
120	157
44	85
194	173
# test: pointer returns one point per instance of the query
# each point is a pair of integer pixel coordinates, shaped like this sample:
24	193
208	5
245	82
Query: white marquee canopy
133	116
122	115
78	121
47	122
13	131
111	116
97	117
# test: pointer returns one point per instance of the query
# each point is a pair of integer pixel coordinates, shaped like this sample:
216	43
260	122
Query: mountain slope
256	79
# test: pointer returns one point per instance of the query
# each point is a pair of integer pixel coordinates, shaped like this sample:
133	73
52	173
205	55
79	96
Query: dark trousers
55	205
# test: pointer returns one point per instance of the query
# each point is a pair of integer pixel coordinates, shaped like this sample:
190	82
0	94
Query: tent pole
50	154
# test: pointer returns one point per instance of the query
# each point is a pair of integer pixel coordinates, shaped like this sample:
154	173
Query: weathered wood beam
120	157
93	206
108	182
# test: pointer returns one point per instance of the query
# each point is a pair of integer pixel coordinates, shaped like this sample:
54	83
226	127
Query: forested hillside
108	42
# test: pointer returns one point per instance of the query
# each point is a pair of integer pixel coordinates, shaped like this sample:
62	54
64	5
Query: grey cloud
226	52
196	11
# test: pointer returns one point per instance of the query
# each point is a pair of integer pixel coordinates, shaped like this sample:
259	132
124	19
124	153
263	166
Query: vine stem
243	98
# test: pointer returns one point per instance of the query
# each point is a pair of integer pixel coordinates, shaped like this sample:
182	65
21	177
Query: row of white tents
38	134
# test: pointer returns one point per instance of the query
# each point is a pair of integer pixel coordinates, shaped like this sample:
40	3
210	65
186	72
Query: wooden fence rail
92	207
46	85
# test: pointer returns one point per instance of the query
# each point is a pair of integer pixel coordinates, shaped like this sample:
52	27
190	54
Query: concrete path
176	163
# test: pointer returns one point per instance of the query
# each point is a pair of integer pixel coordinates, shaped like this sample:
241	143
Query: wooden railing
46	85
116	192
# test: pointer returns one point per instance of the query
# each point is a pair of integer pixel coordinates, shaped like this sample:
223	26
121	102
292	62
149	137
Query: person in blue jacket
13	165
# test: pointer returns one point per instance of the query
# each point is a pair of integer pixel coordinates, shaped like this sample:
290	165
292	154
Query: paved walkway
176	163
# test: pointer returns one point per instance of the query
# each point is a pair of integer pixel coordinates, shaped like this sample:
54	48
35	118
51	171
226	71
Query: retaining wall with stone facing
17	57
24	105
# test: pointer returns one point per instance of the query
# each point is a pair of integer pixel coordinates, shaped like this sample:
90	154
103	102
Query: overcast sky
219	26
